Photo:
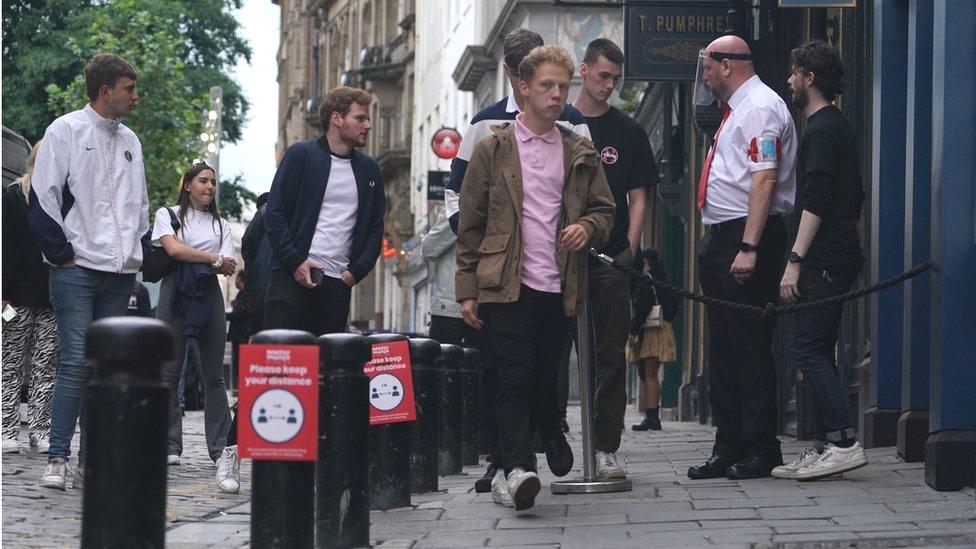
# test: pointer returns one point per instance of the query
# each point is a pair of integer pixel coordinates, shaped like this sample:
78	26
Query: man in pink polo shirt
533	197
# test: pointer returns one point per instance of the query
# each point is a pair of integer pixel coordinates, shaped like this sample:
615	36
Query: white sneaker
805	458
173	459
499	489
11	446
229	471
833	461
41	443
607	467
523	486
55	474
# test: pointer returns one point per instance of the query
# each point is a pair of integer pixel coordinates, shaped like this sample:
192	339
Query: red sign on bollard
390	384
278	408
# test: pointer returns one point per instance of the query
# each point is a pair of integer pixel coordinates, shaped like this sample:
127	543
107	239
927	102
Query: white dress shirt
758	135
99	161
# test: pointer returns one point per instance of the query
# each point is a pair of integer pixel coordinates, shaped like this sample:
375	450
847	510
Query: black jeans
742	374
527	337
323	309
814	342
447	329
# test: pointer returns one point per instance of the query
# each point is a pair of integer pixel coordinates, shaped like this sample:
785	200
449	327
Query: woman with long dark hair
651	341
194	235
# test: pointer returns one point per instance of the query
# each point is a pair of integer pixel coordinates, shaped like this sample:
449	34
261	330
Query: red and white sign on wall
445	143
390	384
278	409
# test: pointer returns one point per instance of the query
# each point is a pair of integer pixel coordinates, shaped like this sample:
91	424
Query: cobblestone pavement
882	505
41	517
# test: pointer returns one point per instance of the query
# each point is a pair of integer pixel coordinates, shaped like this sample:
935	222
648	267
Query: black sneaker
648	424
483	484
559	455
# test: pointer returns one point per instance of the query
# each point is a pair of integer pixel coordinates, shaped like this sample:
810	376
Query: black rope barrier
770	309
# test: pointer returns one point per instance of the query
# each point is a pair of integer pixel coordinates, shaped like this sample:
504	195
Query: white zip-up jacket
438	246
88	197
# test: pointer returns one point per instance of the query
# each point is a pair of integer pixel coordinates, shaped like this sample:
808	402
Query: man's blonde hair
544	54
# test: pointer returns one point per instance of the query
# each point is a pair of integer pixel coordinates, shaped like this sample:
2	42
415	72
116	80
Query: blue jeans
79	296
814	343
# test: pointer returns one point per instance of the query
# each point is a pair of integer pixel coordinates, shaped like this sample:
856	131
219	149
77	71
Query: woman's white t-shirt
198	230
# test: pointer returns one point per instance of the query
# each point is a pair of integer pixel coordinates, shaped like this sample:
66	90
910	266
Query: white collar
106	125
743	91
512	106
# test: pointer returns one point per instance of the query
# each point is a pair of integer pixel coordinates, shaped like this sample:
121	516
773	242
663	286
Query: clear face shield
703	96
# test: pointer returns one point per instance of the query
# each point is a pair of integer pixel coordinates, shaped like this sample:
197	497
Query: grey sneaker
42	443
805	458
499	489
78	481
607	467
172	459
833	461
11	446
229	471
523	486
55	474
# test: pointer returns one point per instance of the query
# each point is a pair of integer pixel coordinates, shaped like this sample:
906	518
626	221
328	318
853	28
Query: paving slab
886	503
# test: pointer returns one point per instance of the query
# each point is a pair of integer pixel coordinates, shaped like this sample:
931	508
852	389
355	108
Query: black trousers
527	337
323	309
742	374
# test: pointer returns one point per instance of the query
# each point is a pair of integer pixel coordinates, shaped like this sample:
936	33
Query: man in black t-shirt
629	165
826	256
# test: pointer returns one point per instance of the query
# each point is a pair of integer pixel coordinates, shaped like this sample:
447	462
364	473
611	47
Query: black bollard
470	393
423	433
127	411
282	492
449	426
342	471
389	455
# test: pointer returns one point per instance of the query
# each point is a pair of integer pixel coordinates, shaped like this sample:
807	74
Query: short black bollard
470	395
282	492
449	426
127	407
389	455
423	433
342	470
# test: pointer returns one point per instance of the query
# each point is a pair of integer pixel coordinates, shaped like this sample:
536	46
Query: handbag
654	318
156	263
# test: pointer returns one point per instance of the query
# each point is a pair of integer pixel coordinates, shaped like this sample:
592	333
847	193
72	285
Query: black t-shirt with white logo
629	164
828	177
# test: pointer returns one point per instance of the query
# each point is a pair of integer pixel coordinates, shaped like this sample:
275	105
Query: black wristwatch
795	258
746	247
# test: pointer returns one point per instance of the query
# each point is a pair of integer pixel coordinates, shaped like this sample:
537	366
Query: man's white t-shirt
198	230
337	219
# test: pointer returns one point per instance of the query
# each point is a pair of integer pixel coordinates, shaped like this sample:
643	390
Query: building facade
368	44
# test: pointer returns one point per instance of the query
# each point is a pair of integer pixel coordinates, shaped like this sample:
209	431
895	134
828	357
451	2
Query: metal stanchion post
589	484
124	501
282	492
389	455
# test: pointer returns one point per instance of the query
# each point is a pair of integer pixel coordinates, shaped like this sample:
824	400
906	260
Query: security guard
747	186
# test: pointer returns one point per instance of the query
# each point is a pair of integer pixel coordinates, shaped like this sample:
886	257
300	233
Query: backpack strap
174	220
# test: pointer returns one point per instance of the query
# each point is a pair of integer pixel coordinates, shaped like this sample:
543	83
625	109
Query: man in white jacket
88	208
446	324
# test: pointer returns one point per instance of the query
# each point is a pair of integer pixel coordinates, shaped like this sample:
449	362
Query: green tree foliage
179	48
233	196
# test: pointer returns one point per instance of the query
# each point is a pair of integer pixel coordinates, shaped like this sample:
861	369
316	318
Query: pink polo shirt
543	177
